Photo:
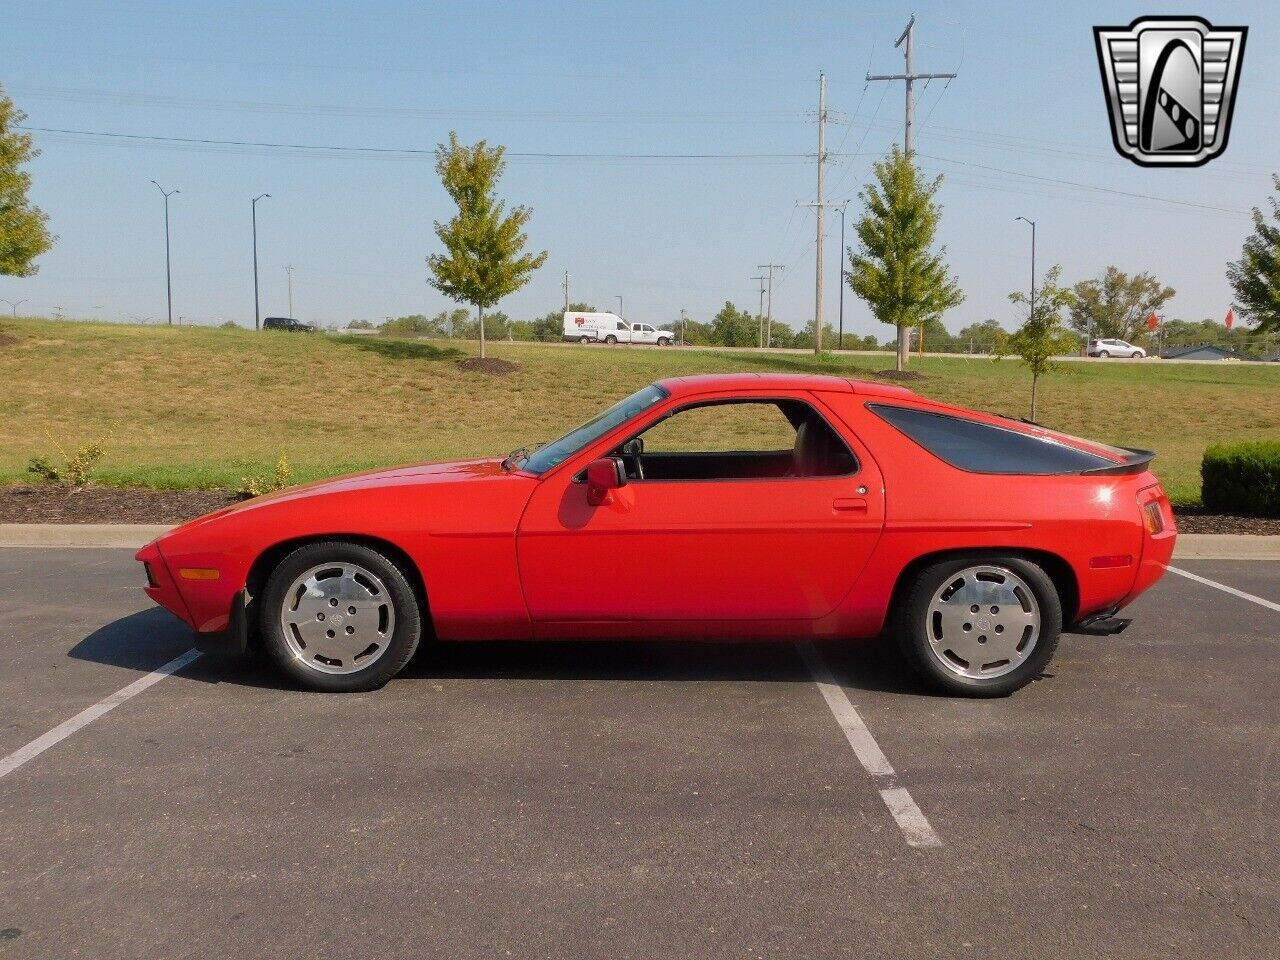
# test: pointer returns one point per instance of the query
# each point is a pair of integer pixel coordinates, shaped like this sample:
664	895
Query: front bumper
234	640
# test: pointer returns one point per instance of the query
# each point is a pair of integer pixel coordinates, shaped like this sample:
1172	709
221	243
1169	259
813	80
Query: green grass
201	408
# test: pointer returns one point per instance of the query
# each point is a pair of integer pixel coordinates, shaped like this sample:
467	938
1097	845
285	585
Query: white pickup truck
611	328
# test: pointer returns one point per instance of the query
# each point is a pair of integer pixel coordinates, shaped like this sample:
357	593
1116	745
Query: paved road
646	800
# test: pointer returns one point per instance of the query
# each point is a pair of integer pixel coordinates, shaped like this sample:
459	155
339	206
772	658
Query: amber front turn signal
198	573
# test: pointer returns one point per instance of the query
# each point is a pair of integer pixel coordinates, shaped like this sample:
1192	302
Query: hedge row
1242	478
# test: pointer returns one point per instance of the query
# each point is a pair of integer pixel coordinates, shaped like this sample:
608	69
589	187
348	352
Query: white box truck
611	328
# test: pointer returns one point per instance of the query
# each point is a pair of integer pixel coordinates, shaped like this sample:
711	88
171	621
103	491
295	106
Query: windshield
558	451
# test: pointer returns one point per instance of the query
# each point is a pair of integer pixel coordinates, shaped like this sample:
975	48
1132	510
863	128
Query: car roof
732	382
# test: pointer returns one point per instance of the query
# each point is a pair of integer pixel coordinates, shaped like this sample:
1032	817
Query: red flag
1231	319
1152	322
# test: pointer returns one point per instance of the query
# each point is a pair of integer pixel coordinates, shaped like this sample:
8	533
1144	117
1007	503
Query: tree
895	270
1042	336
1116	304
980	337
482	262
732	327
23	232
1255	277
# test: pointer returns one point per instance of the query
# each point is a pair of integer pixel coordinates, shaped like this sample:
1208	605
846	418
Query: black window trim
1107	466
727	401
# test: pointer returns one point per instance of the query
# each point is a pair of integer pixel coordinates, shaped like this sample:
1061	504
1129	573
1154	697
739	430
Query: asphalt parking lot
642	800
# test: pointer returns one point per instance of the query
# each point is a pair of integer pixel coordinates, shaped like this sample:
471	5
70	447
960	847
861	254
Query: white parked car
611	328
1114	348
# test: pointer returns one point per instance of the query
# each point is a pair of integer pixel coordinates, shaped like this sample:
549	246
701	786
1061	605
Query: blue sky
597	78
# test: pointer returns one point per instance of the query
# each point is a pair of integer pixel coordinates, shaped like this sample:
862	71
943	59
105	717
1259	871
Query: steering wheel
632	450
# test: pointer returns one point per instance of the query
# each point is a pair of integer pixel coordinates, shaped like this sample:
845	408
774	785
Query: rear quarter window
983	448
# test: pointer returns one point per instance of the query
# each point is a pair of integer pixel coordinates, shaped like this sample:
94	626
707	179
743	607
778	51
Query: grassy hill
201	408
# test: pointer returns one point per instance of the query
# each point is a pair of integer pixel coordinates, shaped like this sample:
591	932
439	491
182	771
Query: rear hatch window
985	448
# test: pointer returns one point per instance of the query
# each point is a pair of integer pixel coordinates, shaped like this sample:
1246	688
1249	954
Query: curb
1191	546
123	535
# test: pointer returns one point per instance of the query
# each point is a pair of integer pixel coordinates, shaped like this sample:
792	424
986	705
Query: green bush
1242	478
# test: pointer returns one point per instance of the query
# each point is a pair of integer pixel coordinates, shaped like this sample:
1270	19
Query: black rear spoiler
1136	462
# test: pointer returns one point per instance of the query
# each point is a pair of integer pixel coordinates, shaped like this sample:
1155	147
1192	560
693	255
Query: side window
983	448
739	441
622	326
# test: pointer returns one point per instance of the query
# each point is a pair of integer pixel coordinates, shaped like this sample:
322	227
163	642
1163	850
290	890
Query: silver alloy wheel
337	618
983	622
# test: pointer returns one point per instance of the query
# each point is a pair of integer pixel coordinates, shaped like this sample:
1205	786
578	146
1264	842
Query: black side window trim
857	464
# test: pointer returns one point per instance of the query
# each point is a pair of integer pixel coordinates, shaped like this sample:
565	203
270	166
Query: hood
453	471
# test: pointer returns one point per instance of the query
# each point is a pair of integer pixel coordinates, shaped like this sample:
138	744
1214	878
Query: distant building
1206	351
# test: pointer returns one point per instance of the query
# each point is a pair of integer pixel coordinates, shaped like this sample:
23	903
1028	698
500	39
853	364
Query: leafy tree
980	337
1116	304
781	335
1042	336
803	339
895	270
732	327
1255	277
361	325
482	262
23	233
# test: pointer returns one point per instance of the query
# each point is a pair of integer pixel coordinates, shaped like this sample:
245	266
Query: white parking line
85	717
1225	589
911	820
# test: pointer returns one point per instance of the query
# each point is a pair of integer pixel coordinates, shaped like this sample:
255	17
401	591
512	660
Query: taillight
1153	517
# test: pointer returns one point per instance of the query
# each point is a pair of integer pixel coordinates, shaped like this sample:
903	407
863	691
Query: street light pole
168	272
15	304
619	299
1033	263
257	321
842	209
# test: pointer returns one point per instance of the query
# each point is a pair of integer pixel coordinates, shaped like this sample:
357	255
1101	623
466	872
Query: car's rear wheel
980	626
338	616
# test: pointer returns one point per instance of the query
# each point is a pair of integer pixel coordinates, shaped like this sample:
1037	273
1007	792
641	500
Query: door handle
849	505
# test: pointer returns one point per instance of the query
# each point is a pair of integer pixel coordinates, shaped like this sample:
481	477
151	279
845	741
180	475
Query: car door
716	548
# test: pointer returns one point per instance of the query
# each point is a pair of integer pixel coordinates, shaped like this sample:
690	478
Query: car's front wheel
338	616
1103	354
979	626
664	341
611	340
584	339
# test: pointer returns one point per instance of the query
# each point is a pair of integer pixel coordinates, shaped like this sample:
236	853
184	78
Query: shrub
261	484
77	468
1242	478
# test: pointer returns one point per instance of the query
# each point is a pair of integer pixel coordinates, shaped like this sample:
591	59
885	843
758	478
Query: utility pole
15	304
565	284
257	320
768	317
620	314
289	271
683	321
818	208
760	315
909	35
168	273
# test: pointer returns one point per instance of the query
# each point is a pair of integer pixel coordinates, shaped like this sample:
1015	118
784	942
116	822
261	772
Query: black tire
664	342
584	339
911	629
405	635
611	340
1102	354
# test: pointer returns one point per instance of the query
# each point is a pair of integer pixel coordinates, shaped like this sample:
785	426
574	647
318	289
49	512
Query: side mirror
603	477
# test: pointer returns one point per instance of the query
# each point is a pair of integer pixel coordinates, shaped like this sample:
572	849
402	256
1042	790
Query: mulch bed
1199	520
901	375
495	366
54	504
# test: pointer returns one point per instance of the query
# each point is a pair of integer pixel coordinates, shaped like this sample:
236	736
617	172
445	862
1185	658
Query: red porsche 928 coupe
745	506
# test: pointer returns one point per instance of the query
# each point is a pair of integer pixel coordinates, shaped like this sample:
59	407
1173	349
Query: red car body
507	554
